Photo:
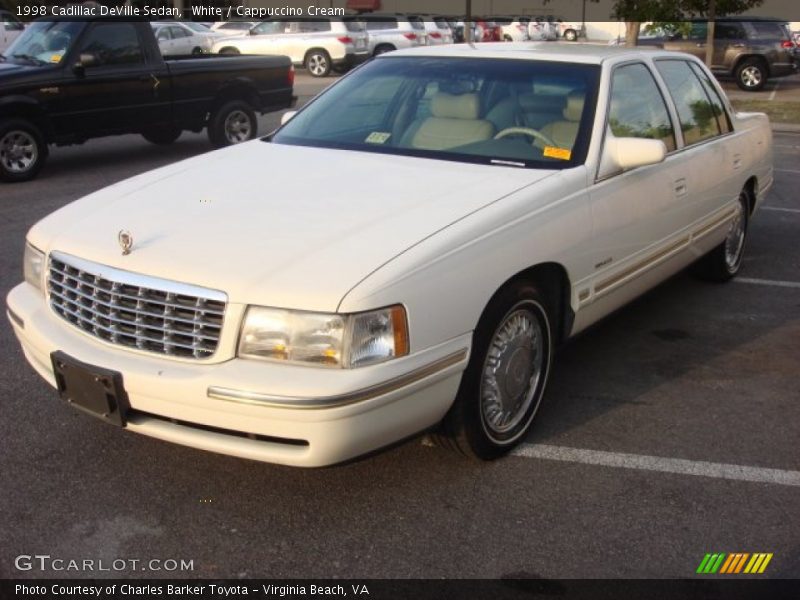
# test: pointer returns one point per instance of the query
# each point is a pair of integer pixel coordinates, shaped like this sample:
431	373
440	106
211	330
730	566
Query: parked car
319	45
307	323
10	28
65	82
388	31
437	33
180	38
568	30
750	50
542	29
487	31
419	28
515	29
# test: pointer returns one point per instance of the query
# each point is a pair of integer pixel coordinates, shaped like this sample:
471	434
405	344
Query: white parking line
772	282
779	209
774	91
677	466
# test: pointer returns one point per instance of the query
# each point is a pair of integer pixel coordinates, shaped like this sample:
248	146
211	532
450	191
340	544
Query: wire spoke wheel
511	372
734	242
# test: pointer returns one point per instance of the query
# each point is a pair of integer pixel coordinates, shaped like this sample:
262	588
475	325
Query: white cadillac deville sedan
404	253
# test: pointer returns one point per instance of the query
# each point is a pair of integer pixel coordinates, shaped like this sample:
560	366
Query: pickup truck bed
65	82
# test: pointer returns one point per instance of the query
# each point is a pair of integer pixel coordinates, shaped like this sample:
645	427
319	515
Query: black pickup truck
64	82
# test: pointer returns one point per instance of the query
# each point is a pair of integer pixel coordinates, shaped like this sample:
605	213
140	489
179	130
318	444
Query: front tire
230	51
23	150
751	75
570	35
232	123
318	63
725	261
506	377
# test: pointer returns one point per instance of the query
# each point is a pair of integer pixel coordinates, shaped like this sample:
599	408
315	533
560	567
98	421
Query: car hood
272	224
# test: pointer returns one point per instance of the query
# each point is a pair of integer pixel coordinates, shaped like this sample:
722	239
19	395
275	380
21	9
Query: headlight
33	266
323	338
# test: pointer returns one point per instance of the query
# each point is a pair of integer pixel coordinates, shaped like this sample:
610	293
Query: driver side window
637	108
113	44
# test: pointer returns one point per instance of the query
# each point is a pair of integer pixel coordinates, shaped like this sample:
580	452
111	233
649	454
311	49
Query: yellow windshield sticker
378	137
560	153
55	58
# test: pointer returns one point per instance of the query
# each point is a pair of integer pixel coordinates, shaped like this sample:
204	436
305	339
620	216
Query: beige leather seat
454	122
564	133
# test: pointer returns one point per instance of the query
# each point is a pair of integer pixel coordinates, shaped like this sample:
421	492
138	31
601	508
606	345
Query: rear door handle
680	187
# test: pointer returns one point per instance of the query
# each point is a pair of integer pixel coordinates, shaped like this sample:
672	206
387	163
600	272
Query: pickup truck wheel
505	379
725	261
234	122
22	150
751	74
162	137
318	63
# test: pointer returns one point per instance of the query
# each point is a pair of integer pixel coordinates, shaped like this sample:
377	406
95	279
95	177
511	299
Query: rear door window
697	113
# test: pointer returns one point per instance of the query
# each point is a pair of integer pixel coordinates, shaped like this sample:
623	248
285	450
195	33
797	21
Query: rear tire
229	51
383	49
570	35
162	137
751	74
506	376
232	123
197	50
318	63
724	262
23	150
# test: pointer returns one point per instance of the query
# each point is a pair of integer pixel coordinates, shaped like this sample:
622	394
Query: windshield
492	111
44	42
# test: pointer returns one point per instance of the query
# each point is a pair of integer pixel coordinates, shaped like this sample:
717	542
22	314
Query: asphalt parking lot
670	430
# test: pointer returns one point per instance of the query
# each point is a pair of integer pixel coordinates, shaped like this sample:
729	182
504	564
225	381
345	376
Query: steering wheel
534	133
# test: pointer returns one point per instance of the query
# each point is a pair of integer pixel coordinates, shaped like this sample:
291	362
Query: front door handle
680	187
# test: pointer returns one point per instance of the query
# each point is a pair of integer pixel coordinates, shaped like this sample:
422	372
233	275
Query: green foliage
674	11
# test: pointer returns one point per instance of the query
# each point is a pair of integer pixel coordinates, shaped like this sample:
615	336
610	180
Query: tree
673	12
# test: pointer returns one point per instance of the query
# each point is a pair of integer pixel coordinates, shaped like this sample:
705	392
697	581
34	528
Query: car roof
566	52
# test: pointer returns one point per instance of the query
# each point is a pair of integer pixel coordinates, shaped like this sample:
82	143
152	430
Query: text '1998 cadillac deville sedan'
498	201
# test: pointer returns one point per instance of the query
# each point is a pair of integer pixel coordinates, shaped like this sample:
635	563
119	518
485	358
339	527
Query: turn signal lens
33	266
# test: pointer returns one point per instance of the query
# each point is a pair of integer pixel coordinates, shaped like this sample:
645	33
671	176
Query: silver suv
389	32
319	45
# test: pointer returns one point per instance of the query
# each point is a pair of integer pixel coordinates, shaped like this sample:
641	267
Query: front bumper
286	414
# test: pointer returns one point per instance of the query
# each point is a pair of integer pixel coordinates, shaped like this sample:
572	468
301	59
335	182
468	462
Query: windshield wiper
38	61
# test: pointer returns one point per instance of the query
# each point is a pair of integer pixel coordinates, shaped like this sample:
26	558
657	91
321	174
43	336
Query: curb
785	128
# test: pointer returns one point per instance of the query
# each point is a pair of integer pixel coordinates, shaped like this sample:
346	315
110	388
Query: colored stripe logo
734	563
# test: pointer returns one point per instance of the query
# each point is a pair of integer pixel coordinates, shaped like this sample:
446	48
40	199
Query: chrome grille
131	310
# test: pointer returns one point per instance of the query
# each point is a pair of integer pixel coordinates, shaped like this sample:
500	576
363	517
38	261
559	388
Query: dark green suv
751	50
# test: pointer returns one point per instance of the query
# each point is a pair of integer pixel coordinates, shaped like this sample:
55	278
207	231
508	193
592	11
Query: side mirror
287	116
623	153
85	61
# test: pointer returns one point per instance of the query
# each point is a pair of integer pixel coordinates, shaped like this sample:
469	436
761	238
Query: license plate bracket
94	390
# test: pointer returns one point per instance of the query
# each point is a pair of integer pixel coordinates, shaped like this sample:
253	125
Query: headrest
574	108
449	106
